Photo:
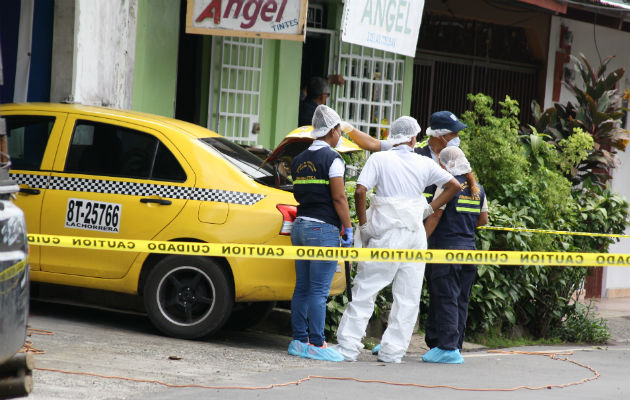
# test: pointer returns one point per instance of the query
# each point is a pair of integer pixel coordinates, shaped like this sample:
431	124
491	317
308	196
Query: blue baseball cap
443	122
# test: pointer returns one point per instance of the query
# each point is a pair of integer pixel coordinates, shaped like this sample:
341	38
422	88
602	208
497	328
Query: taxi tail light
289	213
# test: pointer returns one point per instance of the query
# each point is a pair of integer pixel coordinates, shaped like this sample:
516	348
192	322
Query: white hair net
437	132
455	161
403	130
324	119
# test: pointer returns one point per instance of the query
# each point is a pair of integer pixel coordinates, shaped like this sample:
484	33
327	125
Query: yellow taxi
95	172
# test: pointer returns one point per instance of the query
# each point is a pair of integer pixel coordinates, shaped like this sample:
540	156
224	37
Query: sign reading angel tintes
271	19
390	25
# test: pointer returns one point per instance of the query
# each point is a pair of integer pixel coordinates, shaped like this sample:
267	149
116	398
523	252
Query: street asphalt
85	342
541	372
603	372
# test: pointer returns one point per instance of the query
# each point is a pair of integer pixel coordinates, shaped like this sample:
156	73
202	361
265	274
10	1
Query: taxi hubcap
186	295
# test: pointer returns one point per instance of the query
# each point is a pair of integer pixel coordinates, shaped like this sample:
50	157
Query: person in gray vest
452	227
322	215
317	93
399	177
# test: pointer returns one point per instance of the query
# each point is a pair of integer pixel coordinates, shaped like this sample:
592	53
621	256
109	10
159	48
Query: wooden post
16	379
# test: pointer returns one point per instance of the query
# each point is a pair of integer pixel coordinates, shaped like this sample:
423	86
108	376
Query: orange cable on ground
552	355
27	347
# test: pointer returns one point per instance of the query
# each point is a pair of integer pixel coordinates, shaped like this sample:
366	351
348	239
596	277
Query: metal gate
234	113
372	95
442	82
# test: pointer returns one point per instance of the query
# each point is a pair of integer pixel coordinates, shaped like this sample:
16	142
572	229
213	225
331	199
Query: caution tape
13	270
503	228
337	253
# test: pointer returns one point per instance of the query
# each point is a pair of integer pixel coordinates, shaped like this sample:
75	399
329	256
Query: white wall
104	52
609	42
94	51
587	40
62	52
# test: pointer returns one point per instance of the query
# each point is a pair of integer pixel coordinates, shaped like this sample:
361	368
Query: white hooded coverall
394	220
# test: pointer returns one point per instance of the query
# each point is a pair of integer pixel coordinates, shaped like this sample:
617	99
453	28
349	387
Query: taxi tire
188	297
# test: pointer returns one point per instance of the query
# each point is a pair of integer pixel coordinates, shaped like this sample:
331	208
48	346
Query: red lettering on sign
251	9
249	15
268	10
212	11
284	3
228	9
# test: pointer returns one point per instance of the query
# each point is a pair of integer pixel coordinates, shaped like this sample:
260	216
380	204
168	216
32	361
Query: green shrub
537	180
524	178
582	326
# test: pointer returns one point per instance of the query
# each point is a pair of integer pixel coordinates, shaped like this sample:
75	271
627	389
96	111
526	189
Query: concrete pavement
126	345
616	312
498	376
574	372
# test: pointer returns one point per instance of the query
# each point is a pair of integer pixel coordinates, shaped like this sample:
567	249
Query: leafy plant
598	112
524	176
551	176
582	326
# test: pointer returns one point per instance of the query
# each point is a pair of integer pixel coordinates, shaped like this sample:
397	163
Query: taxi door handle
158	201
29	191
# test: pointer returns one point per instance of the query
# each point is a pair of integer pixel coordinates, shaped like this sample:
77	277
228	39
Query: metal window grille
372	95
442	82
315	16
239	80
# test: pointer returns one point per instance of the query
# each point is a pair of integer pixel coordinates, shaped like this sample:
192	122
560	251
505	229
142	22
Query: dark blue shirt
311	185
458	224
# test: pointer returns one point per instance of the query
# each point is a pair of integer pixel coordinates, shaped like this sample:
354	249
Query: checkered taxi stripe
136	189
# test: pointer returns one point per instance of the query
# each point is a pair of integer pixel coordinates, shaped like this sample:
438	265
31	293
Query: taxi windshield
247	162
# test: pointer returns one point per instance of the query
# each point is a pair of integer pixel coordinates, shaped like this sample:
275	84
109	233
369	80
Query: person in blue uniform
443	131
323	219
450	285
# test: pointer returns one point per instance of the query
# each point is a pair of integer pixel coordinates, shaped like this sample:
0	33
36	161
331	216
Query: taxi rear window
28	136
247	162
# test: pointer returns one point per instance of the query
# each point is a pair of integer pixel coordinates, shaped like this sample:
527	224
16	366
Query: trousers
371	278
312	281
449	287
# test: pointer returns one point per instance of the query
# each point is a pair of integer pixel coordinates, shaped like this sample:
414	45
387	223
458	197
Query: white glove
365	236
346	127
426	213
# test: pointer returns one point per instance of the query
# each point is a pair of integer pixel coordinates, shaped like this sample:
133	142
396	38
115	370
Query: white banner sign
390	25
272	19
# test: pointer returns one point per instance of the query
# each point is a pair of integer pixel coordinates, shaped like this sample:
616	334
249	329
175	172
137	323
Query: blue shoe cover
437	355
376	349
323	354
297	348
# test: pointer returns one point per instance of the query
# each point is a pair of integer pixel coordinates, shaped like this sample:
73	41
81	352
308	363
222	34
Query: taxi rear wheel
188	297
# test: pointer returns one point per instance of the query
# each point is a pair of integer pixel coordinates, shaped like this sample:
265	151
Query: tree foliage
524	176
598	112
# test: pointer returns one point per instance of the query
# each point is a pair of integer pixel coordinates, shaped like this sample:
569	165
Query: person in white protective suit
399	177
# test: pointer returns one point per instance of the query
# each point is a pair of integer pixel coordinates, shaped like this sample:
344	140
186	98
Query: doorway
317	54
189	72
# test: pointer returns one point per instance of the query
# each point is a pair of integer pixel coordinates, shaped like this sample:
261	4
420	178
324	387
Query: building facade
136	54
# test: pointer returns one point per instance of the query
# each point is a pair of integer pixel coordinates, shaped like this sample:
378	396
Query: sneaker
376	349
345	353
297	348
323	353
437	355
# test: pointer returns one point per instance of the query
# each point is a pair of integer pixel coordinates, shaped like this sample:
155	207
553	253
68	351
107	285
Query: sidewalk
616	312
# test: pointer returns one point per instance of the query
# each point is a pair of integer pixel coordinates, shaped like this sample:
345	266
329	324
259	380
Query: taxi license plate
93	215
